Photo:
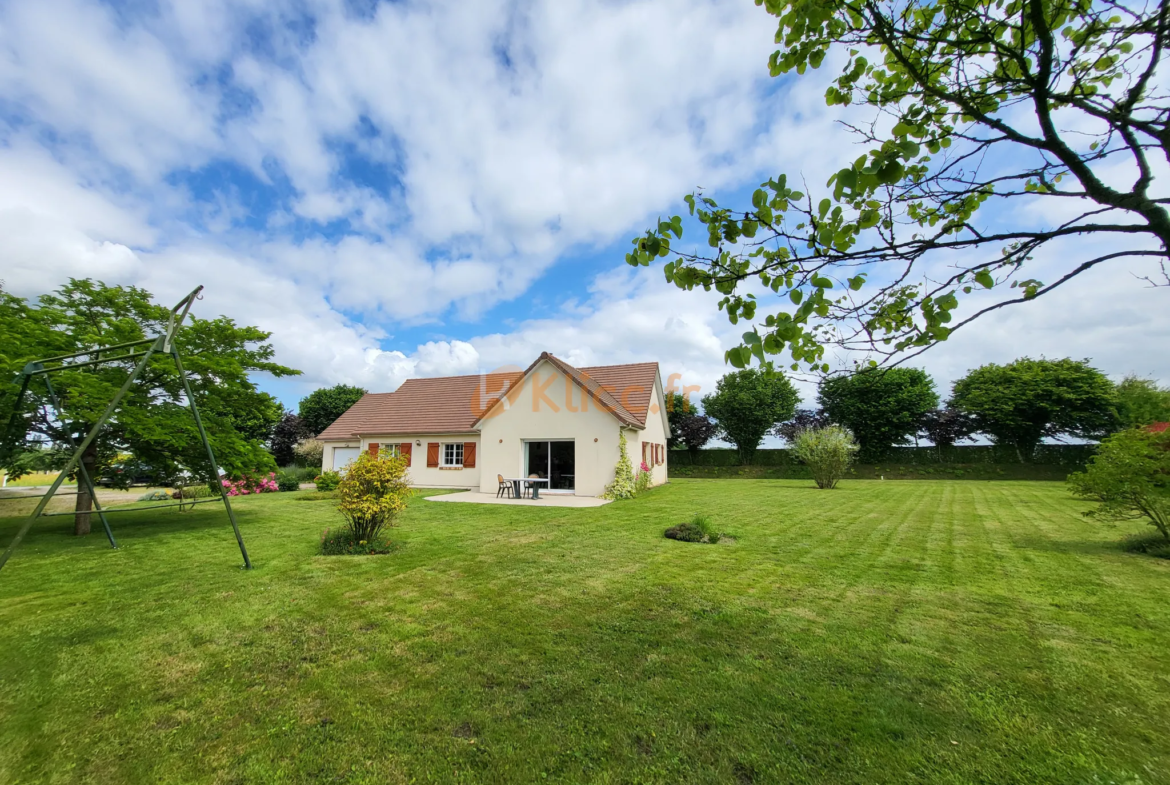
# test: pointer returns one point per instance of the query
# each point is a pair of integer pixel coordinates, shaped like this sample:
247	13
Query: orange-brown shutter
644	446
469	455
661	454
432	454
404	451
373	449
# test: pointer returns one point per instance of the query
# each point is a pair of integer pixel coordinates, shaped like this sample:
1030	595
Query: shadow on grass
136	524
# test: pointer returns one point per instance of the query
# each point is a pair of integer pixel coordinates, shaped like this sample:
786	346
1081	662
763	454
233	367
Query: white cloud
518	130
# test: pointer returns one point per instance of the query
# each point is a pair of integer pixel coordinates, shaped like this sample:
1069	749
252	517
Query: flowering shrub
642	482
247	485
623	485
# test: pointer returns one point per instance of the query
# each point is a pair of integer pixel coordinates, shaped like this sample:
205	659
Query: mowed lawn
885	632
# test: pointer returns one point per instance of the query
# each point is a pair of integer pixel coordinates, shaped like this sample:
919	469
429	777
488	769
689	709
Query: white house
554	421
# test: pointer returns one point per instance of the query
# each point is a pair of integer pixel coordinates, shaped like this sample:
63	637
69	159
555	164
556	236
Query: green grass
33	479
932	632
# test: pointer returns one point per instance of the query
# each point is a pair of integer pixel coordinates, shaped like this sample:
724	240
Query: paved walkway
545	500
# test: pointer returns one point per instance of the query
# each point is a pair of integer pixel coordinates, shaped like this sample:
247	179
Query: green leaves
937	77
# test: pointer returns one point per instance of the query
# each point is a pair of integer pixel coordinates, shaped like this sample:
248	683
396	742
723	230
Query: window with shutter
453	455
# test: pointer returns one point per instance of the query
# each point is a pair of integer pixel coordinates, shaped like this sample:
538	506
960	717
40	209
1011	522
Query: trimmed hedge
938	471
1070	456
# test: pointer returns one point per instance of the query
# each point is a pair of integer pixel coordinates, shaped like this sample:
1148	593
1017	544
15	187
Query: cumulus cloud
341	179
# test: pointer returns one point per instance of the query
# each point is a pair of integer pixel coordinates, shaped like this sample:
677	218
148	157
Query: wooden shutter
661	455
404	451
644	446
469	455
373	449
432	455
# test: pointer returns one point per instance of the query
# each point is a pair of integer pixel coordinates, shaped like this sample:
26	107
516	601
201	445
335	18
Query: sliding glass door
554	461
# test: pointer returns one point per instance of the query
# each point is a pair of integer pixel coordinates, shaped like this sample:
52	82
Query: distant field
886	632
36	478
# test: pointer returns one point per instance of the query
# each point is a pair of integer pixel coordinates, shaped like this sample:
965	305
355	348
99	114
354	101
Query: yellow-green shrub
372	493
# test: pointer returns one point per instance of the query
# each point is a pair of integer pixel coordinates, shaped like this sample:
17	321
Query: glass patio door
554	461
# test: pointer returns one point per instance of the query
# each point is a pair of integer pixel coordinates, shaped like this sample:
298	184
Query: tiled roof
632	385
448	404
454	404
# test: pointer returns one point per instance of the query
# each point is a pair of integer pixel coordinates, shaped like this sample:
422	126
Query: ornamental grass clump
698	529
827	452
371	494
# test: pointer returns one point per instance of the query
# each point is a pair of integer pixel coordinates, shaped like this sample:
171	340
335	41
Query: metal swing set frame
141	350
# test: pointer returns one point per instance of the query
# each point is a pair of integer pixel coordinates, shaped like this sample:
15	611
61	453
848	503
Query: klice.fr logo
500	390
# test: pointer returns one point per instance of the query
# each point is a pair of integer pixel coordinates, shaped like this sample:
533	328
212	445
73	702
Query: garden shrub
623	485
372	493
343	542
327	481
1149	543
309	453
287	482
642	482
247	484
697	529
827	452
155	496
1129	478
197	491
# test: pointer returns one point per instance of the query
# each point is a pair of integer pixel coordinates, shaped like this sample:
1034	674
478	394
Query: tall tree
285	437
1052	111
946	427
1021	403
695	430
1142	402
747	403
678	408
881	406
802	420
320	408
153	422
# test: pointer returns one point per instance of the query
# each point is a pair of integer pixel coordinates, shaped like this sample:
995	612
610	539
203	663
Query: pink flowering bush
642	481
247	485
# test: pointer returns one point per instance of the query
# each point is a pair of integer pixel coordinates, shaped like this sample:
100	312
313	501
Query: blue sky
402	189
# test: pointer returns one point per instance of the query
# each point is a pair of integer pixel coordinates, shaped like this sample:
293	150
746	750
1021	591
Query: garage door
344	456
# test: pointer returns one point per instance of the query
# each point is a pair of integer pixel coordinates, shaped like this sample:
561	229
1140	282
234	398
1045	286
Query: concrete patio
546	500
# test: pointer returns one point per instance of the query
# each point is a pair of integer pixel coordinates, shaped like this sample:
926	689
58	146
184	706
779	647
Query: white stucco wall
548	408
653	433
420	475
423	477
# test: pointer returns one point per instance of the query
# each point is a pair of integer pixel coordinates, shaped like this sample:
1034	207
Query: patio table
517	485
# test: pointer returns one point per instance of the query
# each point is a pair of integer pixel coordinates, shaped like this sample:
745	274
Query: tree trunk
84	501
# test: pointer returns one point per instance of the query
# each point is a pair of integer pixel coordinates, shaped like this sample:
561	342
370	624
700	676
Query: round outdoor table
533	481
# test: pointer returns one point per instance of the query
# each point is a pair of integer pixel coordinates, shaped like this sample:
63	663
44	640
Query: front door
554	461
